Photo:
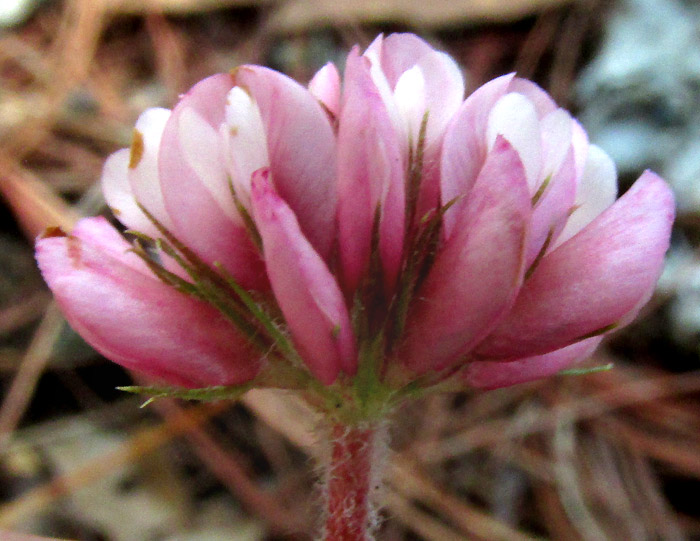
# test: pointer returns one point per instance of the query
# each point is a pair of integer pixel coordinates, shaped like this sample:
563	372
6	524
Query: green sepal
276	334
164	275
422	251
540	191
598	332
540	254
227	305
367	381
415	172
193	259
584	371
210	285
140	235
247	218
204	394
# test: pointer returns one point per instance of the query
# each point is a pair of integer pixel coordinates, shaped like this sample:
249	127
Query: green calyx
353	399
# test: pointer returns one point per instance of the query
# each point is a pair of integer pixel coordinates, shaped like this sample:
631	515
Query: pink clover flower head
368	232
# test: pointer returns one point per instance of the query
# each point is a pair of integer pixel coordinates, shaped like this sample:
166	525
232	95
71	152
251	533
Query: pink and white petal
515	118
199	220
579	142
301	147
119	196
464	147
143	166
143	182
410	99
556	132
591	282
477	107
208	97
373	53
370	175
495	375
398	53
102	236
596	191
543	102
325	87
203	151
386	90
434	85
306	291
444	92
117	191
245	142
550	213
135	320
477	274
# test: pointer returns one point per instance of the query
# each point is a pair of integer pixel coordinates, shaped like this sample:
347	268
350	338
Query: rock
680	282
640	94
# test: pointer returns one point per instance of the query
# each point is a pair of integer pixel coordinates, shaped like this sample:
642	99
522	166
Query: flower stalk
353	479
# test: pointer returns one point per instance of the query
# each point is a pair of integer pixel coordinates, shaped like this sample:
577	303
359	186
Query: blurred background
608	455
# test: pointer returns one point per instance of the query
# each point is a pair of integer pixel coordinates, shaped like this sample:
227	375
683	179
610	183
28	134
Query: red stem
349	514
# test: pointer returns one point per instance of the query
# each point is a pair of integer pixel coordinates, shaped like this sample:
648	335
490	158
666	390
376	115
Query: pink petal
592	281
543	102
119	195
515	118
143	169
301	147
325	86
556	131
204	151
414	79
370	176
596	191
434	84
552	210
110	297
444	92
478	272
494	375
215	233
245	140
410	99
579	143
386	89
131	175
398	53
464	146
306	291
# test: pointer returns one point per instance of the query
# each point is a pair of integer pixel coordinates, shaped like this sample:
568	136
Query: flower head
363	235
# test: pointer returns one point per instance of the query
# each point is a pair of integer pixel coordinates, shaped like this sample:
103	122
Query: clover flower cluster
362	237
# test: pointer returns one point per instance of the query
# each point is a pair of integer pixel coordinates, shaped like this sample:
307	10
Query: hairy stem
353	477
